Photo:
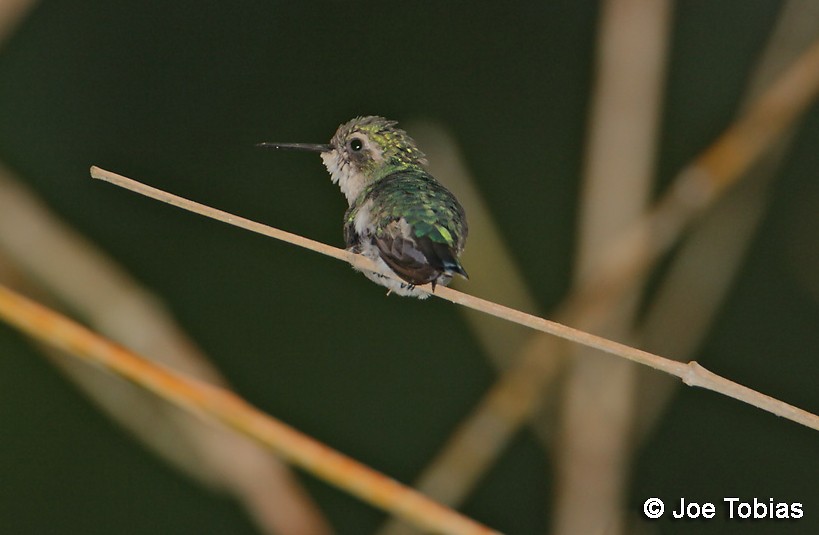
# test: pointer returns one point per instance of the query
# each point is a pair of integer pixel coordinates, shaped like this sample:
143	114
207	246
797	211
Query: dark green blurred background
177	93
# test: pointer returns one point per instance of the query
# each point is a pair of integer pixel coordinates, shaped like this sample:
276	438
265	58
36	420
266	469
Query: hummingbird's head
366	149
362	151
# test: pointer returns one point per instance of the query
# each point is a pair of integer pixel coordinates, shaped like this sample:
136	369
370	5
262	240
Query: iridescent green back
436	218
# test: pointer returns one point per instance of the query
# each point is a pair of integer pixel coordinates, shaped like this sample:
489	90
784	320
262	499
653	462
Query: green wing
428	244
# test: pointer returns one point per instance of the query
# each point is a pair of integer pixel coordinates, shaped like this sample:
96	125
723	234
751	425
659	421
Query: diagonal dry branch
222	405
691	374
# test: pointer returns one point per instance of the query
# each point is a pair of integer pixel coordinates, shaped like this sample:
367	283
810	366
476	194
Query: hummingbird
399	216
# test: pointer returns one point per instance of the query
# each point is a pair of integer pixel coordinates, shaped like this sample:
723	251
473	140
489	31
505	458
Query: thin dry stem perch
669	366
201	398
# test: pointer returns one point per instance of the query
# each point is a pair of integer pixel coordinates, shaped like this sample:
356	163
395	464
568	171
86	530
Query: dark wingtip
453	265
447	258
459	269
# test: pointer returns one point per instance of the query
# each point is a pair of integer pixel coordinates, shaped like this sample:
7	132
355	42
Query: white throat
350	181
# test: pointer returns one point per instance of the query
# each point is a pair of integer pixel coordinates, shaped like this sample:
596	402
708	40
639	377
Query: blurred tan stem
594	448
12	13
208	401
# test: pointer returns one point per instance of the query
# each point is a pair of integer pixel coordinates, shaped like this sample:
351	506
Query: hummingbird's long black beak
309	147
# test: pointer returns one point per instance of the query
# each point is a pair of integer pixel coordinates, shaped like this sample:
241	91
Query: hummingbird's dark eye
356	144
